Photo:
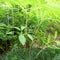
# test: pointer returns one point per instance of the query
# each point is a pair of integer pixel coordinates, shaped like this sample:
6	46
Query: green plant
27	22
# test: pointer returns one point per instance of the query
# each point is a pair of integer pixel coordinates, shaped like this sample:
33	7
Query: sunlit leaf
49	38
22	39
22	27
10	33
17	28
55	35
30	36
57	42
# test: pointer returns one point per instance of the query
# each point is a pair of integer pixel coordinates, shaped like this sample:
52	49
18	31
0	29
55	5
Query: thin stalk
39	24
40	51
13	17
26	24
8	19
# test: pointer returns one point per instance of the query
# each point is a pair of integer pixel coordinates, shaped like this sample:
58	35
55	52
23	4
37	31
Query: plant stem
40	51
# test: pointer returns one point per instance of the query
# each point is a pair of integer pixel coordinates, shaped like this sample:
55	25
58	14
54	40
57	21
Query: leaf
30	36
58	42
53	47
10	33
2	25
55	35
48	39
22	27
22	39
17	28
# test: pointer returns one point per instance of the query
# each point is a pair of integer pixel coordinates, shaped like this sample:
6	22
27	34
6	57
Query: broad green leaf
30	36
22	39
22	27
17	28
10	33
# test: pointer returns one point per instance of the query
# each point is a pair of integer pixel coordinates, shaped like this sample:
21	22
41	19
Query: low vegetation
30	26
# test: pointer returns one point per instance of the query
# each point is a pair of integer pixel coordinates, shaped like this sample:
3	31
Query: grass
29	54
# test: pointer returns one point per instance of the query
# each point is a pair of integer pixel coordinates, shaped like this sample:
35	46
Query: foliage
28	22
29	54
